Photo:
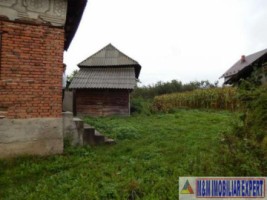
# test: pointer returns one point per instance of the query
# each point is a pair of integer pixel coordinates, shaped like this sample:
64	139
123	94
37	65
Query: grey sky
173	39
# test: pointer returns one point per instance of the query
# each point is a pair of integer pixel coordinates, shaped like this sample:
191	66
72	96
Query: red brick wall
102	102
31	70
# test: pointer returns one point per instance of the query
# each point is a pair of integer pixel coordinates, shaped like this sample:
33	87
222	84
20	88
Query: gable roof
110	56
239	66
100	78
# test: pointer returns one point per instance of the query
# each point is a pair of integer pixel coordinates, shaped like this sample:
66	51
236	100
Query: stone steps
3	114
80	133
109	141
93	137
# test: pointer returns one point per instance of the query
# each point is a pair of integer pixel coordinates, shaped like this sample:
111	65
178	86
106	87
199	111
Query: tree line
160	88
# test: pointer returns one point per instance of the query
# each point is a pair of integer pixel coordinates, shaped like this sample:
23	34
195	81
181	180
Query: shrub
141	106
246	145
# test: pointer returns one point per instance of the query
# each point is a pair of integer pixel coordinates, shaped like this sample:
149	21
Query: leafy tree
160	88
71	76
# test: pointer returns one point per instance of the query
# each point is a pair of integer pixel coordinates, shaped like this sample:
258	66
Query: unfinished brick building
33	37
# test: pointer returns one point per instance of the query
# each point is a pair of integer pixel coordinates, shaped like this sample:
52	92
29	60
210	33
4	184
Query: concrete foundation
38	136
68	101
72	129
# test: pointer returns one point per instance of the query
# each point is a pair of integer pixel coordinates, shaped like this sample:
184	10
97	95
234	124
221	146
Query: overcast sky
186	40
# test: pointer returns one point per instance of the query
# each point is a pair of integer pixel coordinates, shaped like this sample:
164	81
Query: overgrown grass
150	155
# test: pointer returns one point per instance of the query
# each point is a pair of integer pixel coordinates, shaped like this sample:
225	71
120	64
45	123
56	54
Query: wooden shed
103	84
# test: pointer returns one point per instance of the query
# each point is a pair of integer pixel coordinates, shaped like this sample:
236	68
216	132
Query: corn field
213	98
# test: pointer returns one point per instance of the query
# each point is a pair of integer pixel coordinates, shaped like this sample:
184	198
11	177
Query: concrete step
88	135
109	141
79	123
80	129
97	133
99	138
3	114
93	137
87	126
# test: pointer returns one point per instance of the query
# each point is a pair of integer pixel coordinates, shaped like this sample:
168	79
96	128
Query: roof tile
97	78
108	56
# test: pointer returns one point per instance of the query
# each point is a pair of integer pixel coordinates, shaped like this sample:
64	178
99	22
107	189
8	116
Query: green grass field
150	155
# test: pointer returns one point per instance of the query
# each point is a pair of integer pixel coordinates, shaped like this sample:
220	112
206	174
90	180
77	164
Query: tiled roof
100	78
239	65
110	56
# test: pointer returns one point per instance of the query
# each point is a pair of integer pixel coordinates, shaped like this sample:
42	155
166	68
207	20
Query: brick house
245	66
33	37
103	85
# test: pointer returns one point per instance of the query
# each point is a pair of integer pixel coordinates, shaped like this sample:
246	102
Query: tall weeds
212	98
